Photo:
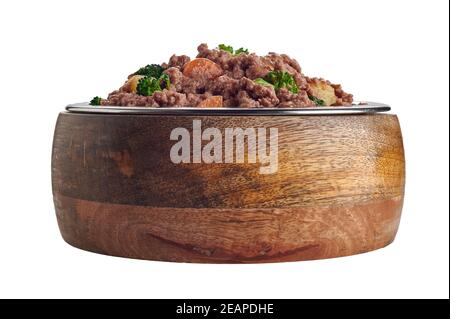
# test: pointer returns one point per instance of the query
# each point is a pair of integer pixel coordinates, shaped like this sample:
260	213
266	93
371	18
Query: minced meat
231	79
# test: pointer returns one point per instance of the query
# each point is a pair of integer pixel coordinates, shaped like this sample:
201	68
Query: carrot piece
202	68
212	101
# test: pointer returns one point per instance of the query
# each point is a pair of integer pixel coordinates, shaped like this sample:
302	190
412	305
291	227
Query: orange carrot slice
212	101
202	68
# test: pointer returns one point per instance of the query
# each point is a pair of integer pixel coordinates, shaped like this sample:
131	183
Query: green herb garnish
150	70
281	79
149	85
229	49
261	81
96	101
241	50
316	100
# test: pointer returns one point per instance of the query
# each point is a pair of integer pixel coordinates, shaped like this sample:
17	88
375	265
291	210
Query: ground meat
234	83
283	63
176	78
225	86
264	95
343	98
288	99
244	100
195	99
220	57
178	61
301	82
126	87
170	98
257	67
129	99
237	66
184	84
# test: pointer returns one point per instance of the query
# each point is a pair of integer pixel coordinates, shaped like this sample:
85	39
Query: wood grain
323	160
338	190
219	235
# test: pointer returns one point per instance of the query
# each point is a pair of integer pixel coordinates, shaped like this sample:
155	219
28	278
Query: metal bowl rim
358	108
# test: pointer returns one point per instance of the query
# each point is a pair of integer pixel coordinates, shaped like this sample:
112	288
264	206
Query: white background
57	52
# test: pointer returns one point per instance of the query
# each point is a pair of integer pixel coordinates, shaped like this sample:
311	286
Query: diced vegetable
148	85
323	91
96	101
202	68
213	101
281	79
150	70
133	82
164	81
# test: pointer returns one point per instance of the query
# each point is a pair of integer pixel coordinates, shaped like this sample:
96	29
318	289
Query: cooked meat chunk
178	61
342	98
263	95
289	99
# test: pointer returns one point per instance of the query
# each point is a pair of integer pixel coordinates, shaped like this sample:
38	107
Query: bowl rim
357	108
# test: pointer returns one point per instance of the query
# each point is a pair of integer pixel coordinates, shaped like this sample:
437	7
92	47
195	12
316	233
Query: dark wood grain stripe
323	161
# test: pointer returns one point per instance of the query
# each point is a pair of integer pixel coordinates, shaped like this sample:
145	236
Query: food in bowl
224	77
211	167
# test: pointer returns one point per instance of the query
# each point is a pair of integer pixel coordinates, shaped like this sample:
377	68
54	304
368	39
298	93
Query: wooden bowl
337	189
